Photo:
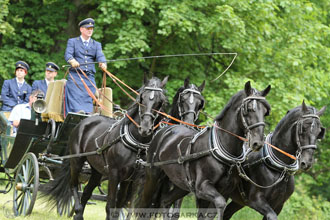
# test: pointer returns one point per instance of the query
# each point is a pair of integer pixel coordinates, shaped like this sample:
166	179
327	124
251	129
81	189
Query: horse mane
292	116
238	96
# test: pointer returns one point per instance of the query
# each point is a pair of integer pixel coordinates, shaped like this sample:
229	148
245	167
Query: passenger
23	111
50	74
16	91
81	51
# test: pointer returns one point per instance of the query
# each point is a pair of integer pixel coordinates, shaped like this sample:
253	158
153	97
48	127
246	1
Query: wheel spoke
17	198
31	171
20	204
30	181
20	177
26	204
24	172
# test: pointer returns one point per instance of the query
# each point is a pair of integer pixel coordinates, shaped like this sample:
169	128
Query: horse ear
186	82
304	108
145	78
248	89
266	91
202	86
164	82
322	110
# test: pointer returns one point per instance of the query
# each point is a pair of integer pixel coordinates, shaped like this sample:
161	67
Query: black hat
88	22
23	65
52	67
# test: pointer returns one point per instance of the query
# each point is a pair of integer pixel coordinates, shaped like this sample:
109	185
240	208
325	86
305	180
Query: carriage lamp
39	106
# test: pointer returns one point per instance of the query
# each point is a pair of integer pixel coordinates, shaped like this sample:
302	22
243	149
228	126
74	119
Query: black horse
200	162
120	144
270	172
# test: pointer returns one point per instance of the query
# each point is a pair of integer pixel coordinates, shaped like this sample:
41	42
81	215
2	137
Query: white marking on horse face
152	95
191	98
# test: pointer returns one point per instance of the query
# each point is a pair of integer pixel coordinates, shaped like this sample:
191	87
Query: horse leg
205	190
259	204
93	182
150	187
231	209
278	209
112	195
203	211
168	199
76	166
122	197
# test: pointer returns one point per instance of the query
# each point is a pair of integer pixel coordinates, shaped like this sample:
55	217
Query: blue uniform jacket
76	96
11	95
93	53
41	85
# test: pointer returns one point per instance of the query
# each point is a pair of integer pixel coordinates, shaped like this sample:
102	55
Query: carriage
33	156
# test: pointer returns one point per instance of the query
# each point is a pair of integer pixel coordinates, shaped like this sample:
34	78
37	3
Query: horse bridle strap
191	100
299	125
151	97
243	111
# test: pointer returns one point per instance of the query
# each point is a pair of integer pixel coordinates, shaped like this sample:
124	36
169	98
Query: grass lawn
42	212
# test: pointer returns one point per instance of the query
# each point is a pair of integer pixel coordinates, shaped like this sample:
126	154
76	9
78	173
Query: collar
220	153
273	162
82	39
27	105
47	82
19	81
129	141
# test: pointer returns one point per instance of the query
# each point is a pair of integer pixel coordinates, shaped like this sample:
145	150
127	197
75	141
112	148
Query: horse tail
57	191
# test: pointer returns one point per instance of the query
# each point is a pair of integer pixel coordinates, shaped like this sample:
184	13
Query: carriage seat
54	101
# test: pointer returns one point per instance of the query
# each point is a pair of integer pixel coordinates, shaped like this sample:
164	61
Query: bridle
244	111
151	97
299	130
192	91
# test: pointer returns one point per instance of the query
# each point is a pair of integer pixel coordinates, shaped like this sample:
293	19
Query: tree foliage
284	43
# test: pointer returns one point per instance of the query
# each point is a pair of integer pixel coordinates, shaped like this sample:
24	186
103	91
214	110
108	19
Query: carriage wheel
26	185
66	210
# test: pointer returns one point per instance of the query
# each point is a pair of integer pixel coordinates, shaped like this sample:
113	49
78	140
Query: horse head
308	131
152	97
189	101
253	110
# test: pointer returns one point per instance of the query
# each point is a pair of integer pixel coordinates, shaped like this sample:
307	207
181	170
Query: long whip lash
173	55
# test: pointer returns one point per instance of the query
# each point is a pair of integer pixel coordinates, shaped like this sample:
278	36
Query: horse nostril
256	145
303	165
